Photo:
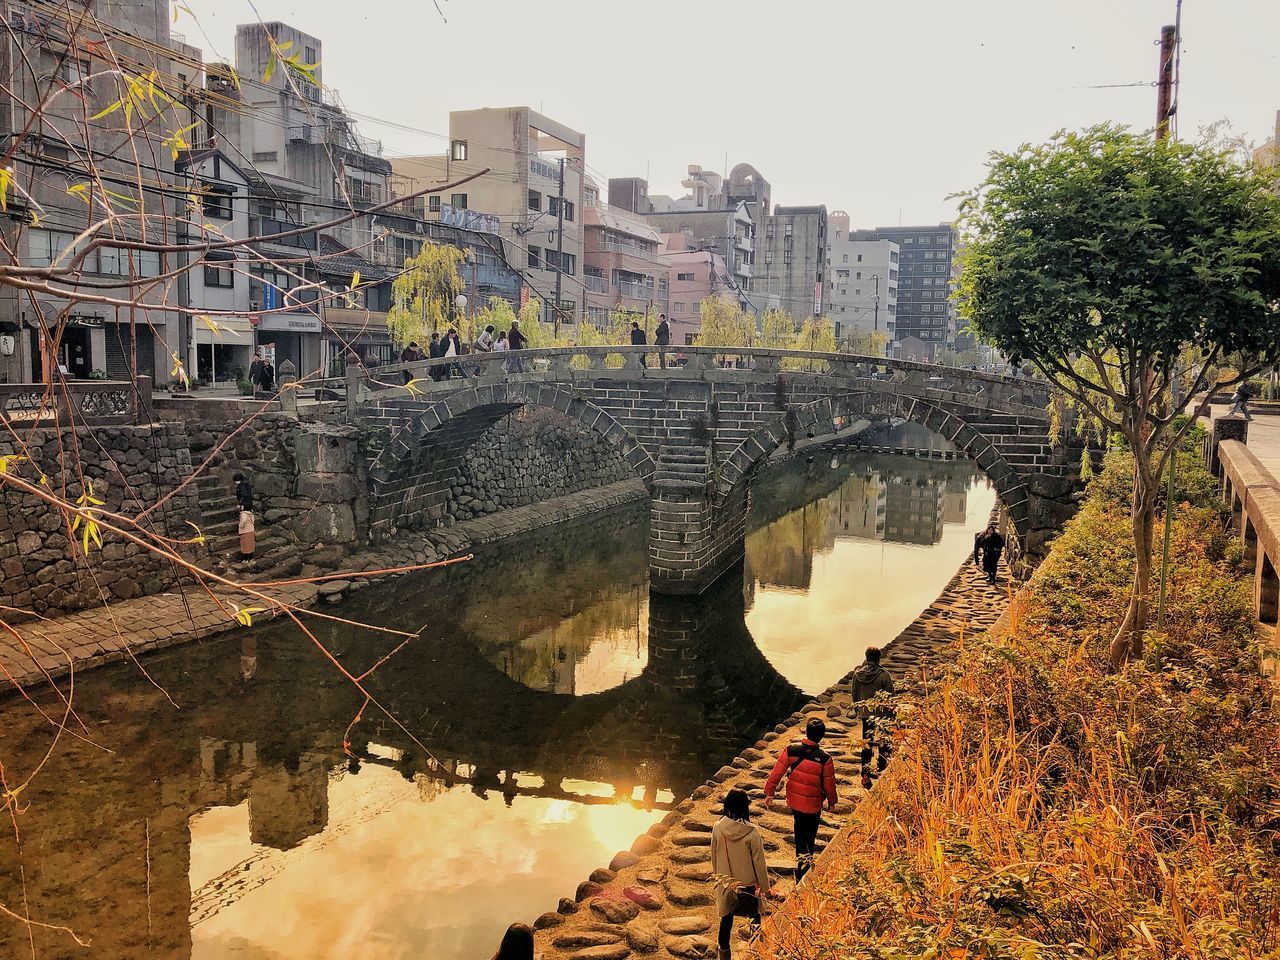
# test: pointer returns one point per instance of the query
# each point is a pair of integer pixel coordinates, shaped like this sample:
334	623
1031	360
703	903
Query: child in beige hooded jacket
737	860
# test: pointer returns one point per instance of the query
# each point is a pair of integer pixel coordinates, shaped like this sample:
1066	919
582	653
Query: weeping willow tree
497	313
815	335
422	297
724	324
777	330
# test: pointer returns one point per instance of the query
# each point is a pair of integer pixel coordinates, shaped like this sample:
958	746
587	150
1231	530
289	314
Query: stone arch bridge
696	433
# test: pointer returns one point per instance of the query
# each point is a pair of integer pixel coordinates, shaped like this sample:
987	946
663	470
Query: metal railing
76	402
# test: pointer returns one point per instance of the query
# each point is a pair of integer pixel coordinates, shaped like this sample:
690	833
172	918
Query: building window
458	200
218	270
458	150
786	230
907	241
859	275
768	256
677	307
567	262
433	204
217	205
689	338
553	208
846	258
535	258
786	256
535	200
860	258
684	276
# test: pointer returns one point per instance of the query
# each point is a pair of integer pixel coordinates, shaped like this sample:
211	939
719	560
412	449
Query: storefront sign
292	322
817	298
468	219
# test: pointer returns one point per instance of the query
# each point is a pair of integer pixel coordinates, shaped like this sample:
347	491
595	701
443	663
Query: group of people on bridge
737	849
451	345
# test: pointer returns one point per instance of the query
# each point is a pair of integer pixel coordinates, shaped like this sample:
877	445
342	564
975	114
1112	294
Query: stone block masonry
131	468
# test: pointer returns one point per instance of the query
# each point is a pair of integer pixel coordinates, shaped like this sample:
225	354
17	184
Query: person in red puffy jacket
811	779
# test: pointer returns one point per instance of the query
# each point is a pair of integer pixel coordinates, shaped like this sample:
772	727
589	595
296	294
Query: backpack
798	753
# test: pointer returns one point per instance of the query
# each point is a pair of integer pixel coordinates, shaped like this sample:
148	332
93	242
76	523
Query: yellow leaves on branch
175	141
85	521
413	386
303	71
10	461
139	92
199	537
244	615
216	328
179	372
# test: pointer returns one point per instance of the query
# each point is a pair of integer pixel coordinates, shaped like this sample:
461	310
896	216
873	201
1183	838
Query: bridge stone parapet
696	433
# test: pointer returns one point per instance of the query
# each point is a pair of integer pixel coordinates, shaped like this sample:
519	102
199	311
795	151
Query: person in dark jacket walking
408	355
638	339
811	780
662	337
869	681
990	545
1240	401
517	342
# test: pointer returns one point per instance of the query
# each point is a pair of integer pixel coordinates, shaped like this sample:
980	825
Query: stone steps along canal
564	712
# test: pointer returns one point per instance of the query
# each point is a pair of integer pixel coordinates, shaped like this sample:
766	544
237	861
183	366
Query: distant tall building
793	273
925	318
914	511
862	287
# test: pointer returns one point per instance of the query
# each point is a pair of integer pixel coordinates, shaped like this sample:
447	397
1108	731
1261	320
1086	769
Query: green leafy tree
422	297
1126	269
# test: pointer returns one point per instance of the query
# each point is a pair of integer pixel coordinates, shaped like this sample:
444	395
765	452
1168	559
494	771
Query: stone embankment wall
130	468
310	488
530	456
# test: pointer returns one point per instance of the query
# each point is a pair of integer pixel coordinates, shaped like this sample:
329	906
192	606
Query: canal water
242	800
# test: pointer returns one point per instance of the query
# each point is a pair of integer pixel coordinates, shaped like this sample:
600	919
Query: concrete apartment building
926	318
523	150
622	264
695	275
714	215
862	285
792	273
48	54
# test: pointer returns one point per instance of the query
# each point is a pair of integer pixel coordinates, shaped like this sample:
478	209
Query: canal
242	800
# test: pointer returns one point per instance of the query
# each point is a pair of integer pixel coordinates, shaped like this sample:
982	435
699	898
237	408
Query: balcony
264	228
637	291
631	249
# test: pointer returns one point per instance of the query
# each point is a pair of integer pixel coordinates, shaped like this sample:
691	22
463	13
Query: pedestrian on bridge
518	341
408	355
662	337
870	686
638	340
738	863
811	779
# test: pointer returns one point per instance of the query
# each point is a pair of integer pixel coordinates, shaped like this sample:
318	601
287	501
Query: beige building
623	268
524	153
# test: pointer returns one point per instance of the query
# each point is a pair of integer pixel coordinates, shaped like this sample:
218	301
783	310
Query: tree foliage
1126	269
422	297
724	324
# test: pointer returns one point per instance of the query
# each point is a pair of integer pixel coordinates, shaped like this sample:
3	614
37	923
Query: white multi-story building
862	292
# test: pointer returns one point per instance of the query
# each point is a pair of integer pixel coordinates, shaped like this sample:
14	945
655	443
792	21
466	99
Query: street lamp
460	303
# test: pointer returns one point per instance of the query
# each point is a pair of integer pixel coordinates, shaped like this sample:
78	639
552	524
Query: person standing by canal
243	491
868	682
990	545
811	779
738	863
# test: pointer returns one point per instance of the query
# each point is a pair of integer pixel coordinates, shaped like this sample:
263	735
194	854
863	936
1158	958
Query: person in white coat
737	860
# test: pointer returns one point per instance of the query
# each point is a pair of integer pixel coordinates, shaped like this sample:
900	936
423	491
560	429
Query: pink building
623	268
695	274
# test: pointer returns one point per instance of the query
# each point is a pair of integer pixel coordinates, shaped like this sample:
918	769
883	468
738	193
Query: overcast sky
880	109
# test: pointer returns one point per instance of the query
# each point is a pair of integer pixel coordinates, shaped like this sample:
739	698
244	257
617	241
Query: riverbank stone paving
660	896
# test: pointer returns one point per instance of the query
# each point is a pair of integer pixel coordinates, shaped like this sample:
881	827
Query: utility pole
1169	40
875	325
559	251
1164	80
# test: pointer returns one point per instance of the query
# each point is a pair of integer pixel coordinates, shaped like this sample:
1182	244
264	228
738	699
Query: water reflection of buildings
902	501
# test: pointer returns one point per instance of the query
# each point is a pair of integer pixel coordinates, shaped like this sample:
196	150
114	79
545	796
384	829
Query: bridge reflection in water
557	711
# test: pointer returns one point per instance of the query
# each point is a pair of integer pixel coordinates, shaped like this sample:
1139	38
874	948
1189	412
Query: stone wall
530	456
130	468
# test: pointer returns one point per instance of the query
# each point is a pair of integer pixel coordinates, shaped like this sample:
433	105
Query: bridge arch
410	476
818	420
